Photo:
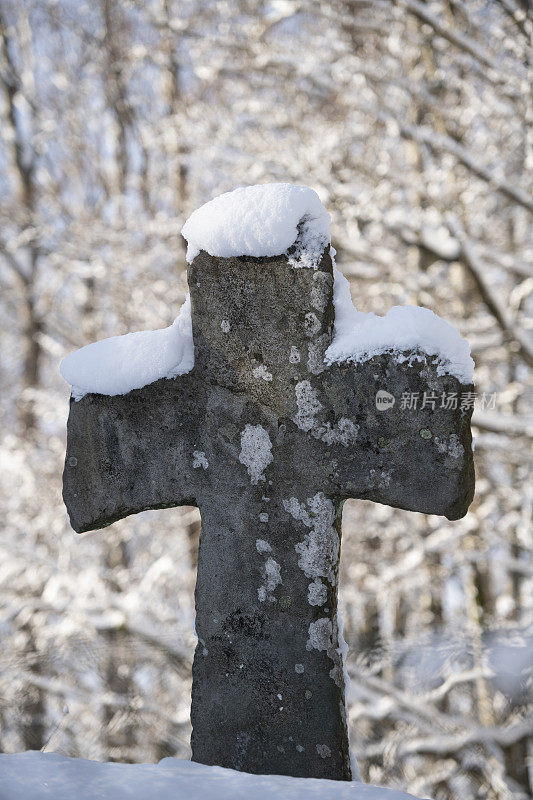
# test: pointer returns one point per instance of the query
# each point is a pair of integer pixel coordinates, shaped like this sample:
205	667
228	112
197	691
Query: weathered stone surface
268	443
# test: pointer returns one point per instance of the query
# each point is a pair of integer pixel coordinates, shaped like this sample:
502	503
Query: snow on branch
503	423
455	37
439	141
476	269
443	745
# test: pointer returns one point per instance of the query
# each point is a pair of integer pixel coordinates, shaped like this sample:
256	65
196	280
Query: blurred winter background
413	121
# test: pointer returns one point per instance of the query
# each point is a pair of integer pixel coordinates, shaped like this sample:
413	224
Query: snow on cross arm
122	363
36	776
358	336
265	220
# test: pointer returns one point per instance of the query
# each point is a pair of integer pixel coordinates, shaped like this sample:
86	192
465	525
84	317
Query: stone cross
269	443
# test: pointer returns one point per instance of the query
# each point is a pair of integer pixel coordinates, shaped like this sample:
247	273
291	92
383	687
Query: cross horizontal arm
131	453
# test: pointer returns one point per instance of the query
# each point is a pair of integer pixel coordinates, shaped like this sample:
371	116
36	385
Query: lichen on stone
452	447
272	578
294	355
323	751
319	550
308	405
317	593
256	451
199	460
262	372
320	635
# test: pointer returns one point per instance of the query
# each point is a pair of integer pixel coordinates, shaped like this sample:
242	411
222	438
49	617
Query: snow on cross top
265	220
260	221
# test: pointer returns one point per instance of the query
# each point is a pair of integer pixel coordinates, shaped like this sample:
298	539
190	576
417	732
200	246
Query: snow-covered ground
38	776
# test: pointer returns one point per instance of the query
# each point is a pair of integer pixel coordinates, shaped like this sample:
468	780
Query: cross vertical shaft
268	682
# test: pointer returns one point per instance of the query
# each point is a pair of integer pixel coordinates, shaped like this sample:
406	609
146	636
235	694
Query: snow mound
262	220
36	776
122	363
358	336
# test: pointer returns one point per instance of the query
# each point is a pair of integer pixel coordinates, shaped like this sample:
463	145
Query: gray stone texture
268	443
